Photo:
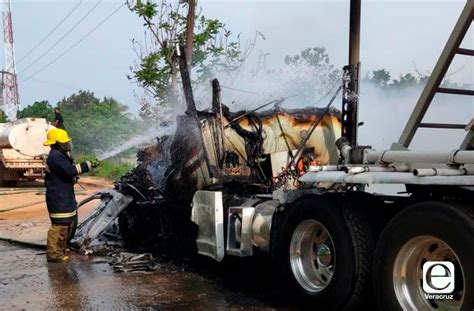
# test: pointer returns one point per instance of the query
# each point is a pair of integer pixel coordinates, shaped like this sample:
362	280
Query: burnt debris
232	157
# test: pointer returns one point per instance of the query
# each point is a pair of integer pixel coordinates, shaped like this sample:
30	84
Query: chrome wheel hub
323	254
312	255
408	274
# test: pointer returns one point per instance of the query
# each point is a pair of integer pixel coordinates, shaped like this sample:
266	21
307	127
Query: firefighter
58	118
61	175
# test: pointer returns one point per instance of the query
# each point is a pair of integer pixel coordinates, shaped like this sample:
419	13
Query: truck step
239	231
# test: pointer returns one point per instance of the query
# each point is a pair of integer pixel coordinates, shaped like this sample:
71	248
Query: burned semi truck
291	184
240	154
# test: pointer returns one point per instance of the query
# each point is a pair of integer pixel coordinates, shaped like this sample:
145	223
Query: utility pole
350	95
354	33
190	33
11	101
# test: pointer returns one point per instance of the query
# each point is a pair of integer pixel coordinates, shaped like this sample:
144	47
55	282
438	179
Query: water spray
138	140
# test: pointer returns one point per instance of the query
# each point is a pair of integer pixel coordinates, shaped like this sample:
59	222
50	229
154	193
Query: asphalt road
28	282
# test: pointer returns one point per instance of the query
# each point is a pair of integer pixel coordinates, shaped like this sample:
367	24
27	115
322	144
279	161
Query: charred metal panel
196	166
287	128
111	204
189	168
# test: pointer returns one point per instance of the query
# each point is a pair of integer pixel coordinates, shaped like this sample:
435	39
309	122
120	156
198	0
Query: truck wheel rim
408	274
312	255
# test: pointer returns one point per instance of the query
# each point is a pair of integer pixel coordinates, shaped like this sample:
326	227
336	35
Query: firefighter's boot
56	244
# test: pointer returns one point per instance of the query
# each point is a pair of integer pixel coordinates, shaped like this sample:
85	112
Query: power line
75	44
64	36
52	30
239	90
49	82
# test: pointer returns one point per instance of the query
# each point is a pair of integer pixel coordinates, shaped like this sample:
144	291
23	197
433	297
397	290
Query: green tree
96	124
214	50
405	81
315	57
380	77
3	117
312	71
41	109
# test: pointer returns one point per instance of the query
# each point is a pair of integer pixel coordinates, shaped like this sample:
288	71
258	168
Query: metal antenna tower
10	99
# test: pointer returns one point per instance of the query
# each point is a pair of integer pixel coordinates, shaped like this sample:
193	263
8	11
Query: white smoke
383	111
249	88
385	114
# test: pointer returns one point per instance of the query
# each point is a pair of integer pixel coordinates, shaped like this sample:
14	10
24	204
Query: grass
107	169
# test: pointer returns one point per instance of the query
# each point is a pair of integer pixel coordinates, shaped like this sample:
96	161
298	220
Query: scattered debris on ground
128	262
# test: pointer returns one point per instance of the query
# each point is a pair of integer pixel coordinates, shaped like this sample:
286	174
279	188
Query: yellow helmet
56	136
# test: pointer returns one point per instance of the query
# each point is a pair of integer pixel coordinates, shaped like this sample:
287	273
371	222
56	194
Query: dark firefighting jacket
61	175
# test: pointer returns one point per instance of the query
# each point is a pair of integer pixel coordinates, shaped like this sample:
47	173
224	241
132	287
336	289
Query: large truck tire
426	232
7	183
325	254
8	178
10	183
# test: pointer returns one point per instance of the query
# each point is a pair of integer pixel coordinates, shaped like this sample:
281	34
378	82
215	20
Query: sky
396	35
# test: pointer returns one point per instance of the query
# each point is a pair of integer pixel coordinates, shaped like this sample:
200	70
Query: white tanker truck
21	150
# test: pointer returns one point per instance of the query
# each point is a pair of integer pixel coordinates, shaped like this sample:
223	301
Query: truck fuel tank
26	136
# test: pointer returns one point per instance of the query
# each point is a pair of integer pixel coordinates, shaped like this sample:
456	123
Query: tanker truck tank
21	150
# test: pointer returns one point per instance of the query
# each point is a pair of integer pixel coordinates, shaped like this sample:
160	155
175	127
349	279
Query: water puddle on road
27	281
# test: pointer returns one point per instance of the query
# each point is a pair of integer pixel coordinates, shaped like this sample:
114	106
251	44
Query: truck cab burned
241	159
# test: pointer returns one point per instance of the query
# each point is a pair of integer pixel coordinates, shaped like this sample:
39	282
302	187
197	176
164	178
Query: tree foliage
311	70
39	109
382	78
3	117
315	57
215	49
96	124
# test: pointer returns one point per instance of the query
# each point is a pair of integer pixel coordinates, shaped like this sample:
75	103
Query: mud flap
208	214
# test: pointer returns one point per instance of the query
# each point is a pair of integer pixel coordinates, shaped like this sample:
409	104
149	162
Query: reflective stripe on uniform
78	169
62	215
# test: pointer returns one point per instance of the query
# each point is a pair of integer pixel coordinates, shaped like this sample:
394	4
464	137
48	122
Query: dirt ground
28	282
23	213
